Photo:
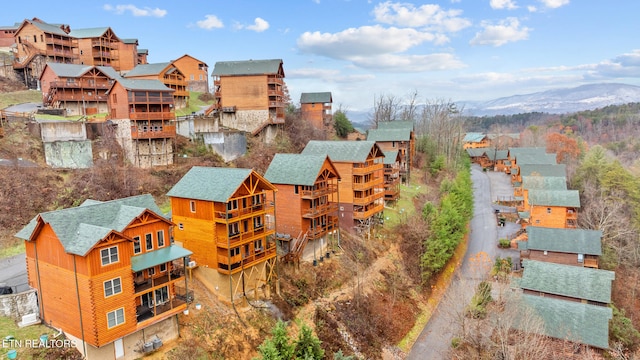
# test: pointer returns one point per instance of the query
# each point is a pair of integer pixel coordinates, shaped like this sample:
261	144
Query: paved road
435	339
13	272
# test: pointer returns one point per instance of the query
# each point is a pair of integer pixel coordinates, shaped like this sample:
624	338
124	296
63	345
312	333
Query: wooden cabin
532	183
553	208
7	35
223	216
306	203
107	275
396	136
361	188
249	96
392	161
479	156
196	72
131	55
101	47
147	107
166	73
475	140
576	247
143	54
316	109
499	160
79	89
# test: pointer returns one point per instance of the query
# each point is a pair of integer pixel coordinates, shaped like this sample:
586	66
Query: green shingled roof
295	169
143	84
573	241
341	151
316	97
543	169
568	198
147	69
49	28
515	151
578	322
88	33
544	182
390	157
497	155
248	67
157	257
522	159
397	124
567	280
210	183
389	135
82	227
74	71
472	137
476	152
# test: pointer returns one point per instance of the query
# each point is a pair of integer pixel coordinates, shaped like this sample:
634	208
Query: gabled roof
189	56
342	151
473	137
515	151
476	152
316	97
45	27
578	322
76	71
567	280
544	182
389	135
143	84
568	198
572	241
143	51
396	124
147	69
543	169
391	157
130	41
497	155
79	229
296	169
213	183
535	159
91	33
248	67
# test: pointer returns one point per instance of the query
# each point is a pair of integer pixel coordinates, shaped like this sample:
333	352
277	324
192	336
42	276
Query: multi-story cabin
107	275
196	72
7	35
131	55
361	188
533	183
166	73
316	109
38	43
392	161
306	202
100	47
553	208
79	89
144	113
249	96
577	247
475	140
396	136
223	216
142	55
479	156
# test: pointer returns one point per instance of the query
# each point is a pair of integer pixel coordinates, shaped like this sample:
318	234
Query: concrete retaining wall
229	145
62	131
69	154
16	306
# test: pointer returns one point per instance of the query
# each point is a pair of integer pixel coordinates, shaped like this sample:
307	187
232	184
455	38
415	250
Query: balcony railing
142	284
368	184
81	84
237	263
322	229
320	210
144	313
275	80
365	214
366	200
168	131
62	96
363	169
153	115
245	237
316	193
61	42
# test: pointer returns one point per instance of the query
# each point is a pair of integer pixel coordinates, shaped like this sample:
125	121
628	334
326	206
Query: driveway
13	272
435	339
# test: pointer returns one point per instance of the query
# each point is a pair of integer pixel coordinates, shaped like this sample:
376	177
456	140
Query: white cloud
429	17
327	75
210	22
135	11
507	30
259	25
503	4
532	8
362	41
409	63
554	3
625	65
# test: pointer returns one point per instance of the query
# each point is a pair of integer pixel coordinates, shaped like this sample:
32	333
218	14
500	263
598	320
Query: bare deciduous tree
442	122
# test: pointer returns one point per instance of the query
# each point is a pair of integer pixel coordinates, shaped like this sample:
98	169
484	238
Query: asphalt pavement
435	339
13	272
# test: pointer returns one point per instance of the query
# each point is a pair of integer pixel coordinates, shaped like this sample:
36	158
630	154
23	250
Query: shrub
622	329
504	243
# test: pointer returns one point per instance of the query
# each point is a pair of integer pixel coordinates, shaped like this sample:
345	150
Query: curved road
435	339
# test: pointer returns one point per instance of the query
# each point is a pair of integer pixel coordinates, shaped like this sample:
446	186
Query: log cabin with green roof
392	179
306	204
475	140
78	89
315	108
576	247
107	275
144	114
396	139
223	215
533	183
361	187
249	96
553	208
169	75
528	159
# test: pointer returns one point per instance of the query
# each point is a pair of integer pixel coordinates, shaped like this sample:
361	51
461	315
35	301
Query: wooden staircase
297	248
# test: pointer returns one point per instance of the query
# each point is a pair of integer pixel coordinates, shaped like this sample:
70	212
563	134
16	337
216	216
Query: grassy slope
19	97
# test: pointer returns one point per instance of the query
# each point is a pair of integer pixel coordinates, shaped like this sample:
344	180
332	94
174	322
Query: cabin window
148	239
257	245
115	318
234	229
162	295
393	144
41	38
232	205
257	199
257	222
109	255
160	238
545	252
548	210
235	251
35	39
163	267
136	245
192	206
580	258
112	287
151	271
295	189
191	77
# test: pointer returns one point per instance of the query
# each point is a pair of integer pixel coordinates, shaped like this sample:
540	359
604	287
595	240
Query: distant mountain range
558	101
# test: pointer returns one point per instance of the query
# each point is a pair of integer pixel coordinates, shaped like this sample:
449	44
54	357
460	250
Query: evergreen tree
308	345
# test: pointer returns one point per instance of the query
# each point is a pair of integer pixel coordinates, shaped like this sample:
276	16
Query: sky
361	50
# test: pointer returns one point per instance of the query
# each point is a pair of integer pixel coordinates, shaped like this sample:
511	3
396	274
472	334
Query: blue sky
458	50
